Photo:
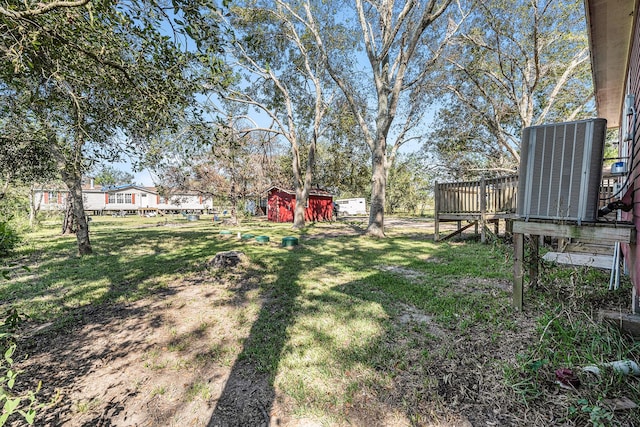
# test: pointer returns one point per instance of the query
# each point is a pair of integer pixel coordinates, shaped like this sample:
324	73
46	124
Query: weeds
569	337
23	403
9	239
198	390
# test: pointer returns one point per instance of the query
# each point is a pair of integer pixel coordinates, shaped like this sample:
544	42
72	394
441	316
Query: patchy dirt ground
172	360
161	361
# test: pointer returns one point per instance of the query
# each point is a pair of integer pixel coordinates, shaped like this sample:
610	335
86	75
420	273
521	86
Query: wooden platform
628	323
581	259
600	232
480	203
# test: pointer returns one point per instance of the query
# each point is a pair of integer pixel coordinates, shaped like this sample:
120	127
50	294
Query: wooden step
628	322
589	248
581	259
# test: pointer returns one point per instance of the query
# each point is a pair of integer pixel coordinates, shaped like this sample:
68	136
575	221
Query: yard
339	330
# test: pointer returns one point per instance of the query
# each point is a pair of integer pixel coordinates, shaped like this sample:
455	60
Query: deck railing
491	196
491	199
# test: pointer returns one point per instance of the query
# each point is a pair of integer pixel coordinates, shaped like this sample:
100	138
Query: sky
144	178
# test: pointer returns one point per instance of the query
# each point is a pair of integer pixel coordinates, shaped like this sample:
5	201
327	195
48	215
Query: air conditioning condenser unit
561	170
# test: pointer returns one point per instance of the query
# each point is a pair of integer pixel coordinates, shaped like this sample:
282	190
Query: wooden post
483	211
562	244
518	271
508	227
436	208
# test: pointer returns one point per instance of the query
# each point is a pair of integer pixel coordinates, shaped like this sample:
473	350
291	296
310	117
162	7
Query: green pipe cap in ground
262	239
289	241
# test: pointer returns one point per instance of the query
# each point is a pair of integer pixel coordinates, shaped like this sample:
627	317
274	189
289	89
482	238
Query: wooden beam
598	232
483	210
590	248
573	258
460	230
518	271
534	263
469	216
436	198
629	323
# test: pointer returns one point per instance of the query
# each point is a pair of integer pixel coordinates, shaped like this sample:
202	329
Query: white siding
128	198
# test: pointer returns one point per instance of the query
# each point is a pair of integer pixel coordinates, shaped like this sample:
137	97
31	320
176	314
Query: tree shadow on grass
429	370
83	297
248	395
78	347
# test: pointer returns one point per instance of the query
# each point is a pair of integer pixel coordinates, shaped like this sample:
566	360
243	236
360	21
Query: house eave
610	25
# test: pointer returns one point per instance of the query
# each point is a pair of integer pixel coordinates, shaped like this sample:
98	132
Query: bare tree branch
41	8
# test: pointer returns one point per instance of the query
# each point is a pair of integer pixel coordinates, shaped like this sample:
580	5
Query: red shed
281	204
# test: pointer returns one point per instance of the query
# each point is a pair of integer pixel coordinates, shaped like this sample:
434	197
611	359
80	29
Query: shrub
8	238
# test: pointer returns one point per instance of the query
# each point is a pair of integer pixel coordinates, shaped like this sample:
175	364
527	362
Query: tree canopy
345	85
99	79
514	64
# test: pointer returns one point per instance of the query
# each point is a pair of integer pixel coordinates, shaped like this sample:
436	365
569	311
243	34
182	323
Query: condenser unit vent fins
560	171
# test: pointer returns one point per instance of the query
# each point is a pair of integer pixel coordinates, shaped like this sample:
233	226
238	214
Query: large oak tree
99	78
384	77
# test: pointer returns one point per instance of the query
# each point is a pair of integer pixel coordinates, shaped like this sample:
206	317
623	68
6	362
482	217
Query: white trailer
355	206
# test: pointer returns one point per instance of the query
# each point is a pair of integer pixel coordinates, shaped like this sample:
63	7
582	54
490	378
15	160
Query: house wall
51	200
96	200
182	202
632	149
93	201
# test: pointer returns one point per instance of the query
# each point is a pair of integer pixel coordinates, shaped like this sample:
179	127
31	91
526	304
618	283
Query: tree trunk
5	188
34	206
301	200
233	197
302	194
378	195
68	221
74	184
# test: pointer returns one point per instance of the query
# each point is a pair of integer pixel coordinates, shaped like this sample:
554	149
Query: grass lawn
339	330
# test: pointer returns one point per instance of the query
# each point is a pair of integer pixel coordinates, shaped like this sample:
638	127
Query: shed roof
312	192
610	24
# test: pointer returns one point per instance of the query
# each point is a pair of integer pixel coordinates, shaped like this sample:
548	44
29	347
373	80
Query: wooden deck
481	202
586	232
487	201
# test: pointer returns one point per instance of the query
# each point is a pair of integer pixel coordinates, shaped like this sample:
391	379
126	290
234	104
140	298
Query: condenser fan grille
560	170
